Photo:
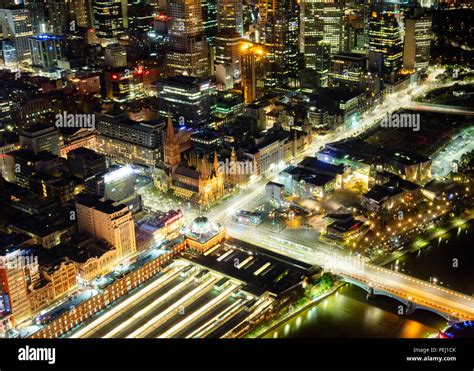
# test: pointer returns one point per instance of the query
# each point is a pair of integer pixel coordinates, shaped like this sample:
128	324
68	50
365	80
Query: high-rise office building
37	9
347	70
40	137
127	141
230	16
278	31
228	49
188	98
385	40
83	13
46	50
140	22
254	72
188	50
14	294
355	32
58	16
417	42
321	20
110	18
115	56
16	25
107	221
209	19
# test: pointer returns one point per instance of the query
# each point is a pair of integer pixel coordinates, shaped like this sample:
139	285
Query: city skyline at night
296	169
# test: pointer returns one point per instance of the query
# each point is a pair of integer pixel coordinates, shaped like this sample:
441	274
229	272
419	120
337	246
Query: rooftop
379	192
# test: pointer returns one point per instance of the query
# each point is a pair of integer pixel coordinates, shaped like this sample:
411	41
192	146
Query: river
347	313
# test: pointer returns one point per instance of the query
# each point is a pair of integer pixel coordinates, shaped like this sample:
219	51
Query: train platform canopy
262	271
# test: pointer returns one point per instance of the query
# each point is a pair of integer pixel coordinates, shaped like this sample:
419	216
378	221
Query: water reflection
348	313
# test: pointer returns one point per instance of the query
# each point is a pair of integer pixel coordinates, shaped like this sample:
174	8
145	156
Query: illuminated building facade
321	20
278	31
128	141
194	183
46	50
230	16
13	284
254	68
115	56
417	42
228	49
118	84
187	98
107	221
116	184
209	20
203	235
140	22
188	52
16	24
347	70
82	10
385	40
110	18
55	326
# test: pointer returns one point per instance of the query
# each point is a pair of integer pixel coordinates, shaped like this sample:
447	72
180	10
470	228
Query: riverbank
273	323
421	242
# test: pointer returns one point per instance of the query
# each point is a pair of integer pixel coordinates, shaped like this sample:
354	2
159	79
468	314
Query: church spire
170	128
203	168
216	163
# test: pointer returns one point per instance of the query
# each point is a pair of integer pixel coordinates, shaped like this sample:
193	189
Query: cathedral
200	184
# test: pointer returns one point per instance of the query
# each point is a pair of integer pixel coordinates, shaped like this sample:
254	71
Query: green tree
327	281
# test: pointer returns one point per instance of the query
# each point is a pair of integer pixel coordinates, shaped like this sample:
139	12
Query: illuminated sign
179	215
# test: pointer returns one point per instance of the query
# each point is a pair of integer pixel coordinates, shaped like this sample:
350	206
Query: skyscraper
110	18
188	98
16	24
46	50
230	16
254	71
278	31
188	52
140	22
83	13
321	20
417	42
209	20
115	56
228	47
385	40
